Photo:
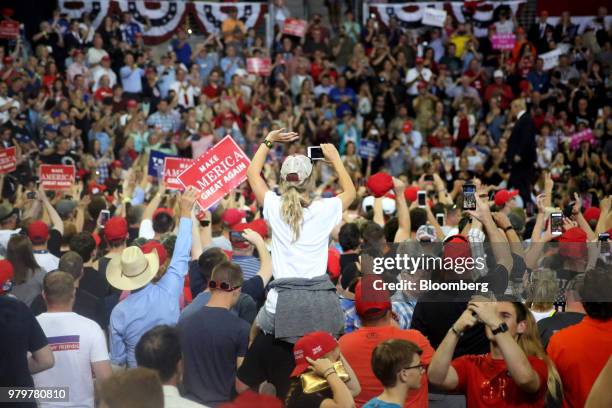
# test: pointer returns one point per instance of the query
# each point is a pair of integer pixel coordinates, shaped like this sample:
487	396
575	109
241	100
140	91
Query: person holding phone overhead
301	224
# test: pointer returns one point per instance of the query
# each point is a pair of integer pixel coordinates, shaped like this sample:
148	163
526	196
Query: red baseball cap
313	345
503	196
228	116
76	52
592	213
96	188
411	192
572	243
151	245
457	246
232	216
163	210
38	232
419	60
380	183
374	303
7	60
333	263
116	229
106	58
407	126
116	164
132	103
6	276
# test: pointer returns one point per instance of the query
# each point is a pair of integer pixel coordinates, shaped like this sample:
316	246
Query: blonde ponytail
291	210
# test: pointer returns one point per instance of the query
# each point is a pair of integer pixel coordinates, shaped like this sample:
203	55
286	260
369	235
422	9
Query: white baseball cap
498	73
297	167
388	204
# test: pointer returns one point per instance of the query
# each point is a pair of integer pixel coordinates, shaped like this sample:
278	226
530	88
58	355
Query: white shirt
94	56
186	93
507	27
146	229
97	72
413	74
76	342
46	260
4	116
172	399
5	236
306	257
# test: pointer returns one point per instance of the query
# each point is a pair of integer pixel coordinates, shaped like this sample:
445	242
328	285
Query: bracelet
267	143
329	372
458	334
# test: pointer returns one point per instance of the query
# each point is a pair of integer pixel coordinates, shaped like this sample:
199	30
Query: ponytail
291	210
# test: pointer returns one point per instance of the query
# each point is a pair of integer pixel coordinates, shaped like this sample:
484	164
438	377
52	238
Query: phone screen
556	223
104	217
421	198
469	197
440	218
315	153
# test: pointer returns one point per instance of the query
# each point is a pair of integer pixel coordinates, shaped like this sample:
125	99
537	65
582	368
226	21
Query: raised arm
56	220
403	214
257	183
265	260
344	179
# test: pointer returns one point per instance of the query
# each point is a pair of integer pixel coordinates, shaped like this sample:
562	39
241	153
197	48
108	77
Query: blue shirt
155	304
352	322
376	403
131	79
206	64
183	54
248	264
167	75
229	67
128	31
539	81
103	138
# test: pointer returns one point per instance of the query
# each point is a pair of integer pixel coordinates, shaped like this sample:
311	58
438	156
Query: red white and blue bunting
409	15
164	16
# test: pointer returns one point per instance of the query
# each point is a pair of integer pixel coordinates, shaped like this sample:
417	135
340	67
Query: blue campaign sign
368	148
156	163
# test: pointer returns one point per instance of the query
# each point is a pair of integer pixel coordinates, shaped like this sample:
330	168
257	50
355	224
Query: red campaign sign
259	66
503	41
294	26
217	172
8	160
56	177
173	166
9	29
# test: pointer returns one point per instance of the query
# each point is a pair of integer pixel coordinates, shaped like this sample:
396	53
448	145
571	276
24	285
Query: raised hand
188	198
330	153
281	136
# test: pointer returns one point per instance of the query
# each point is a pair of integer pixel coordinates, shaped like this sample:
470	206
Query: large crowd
434	145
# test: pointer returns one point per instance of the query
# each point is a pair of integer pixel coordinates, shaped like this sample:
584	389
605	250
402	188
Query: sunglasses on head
224	286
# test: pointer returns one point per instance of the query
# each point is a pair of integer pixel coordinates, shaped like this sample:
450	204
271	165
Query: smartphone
569	209
236	236
469	197
31	195
604	237
104	217
315	153
556	224
422	198
440	219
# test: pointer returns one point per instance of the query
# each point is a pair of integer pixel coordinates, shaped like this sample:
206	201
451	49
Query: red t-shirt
357	348
580	352
487	383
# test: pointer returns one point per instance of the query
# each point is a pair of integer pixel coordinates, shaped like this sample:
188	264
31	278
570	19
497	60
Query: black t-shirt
212	339
550	325
85	304
298	399
67	159
95	282
268	359
54	244
20	333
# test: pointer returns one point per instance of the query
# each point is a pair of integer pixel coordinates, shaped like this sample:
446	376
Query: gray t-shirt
27	292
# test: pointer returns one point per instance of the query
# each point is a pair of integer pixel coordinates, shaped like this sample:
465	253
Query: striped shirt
248	264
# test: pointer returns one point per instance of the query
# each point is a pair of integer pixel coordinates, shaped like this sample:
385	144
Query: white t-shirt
146	229
307	257
46	260
413	74
76	342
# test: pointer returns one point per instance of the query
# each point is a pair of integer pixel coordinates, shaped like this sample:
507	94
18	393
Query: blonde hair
293	201
543	290
529	342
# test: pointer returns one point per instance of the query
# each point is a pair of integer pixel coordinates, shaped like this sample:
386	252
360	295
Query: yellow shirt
459	41
229	27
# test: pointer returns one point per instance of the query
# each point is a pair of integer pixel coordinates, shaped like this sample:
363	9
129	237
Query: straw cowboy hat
133	269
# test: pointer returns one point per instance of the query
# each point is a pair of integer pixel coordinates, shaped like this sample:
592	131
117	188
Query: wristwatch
267	143
502	328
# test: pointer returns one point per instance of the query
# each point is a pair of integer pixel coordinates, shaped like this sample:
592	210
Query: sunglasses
421	367
224	286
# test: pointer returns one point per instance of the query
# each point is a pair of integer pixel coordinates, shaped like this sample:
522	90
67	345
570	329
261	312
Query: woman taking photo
301	225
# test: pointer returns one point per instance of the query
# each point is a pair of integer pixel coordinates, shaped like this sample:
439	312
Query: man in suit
521	154
565	31
537	32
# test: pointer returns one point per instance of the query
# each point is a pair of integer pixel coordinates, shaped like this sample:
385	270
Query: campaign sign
294	26
9	29
259	66
56	177
503	41
156	163
215	173
584	136
8	160
173	166
368	148
434	17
